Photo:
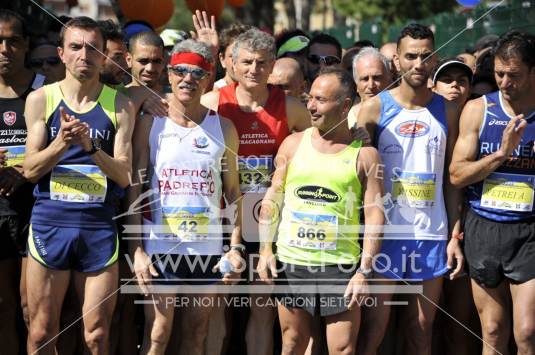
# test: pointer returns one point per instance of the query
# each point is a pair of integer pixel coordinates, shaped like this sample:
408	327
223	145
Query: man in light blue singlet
414	131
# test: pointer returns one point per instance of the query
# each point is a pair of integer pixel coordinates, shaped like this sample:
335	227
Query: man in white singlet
414	131
180	157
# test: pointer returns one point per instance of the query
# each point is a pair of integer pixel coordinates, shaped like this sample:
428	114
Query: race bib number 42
414	189
78	183
186	223
511	192
313	231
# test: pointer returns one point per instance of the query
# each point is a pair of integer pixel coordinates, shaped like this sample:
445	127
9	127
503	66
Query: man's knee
160	332
343	349
494	330
40	336
421	327
196	328
262	315
525	335
97	337
292	340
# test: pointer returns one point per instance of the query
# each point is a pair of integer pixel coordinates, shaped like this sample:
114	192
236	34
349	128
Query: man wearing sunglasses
16	198
263	116
323	51
44	60
185	153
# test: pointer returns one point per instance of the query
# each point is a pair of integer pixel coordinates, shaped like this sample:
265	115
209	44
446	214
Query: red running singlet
261	133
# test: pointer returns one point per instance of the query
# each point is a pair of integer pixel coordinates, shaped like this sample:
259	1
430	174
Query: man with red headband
263	116
190	155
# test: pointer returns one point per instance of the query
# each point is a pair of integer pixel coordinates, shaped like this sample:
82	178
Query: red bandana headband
190	58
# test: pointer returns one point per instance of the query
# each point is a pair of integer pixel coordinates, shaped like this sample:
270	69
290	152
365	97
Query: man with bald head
288	76
468	59
388	50
372	75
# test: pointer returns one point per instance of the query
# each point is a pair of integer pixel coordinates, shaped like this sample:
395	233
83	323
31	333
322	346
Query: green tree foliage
393	11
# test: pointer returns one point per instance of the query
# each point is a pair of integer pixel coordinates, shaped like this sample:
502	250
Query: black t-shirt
13	138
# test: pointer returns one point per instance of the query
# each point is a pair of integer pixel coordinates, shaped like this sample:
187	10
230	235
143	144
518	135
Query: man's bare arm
370	171
465	169
140	158
210	100
453	196
369	115
270	211
297	114
230	176
272	202
40	159
119	167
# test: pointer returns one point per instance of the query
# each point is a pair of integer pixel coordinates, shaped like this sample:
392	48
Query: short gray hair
254	40
369	52
191	46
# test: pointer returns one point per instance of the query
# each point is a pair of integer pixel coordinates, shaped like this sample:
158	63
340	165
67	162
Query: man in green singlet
324	177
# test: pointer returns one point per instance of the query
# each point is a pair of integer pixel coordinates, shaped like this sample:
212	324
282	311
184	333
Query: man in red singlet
263	116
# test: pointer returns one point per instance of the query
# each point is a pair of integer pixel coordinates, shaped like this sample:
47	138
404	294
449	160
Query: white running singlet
186	188
412	145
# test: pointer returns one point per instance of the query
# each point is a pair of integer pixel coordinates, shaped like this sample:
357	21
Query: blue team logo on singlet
392	149
412	129
200	142
433	146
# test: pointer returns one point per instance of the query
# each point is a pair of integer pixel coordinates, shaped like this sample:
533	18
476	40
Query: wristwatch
368	274
95	146
239	247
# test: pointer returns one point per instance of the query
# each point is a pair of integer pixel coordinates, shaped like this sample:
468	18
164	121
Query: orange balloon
155	12
212	7
236	3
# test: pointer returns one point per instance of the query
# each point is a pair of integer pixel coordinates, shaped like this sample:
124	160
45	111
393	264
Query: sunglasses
323	59
196	73
39	62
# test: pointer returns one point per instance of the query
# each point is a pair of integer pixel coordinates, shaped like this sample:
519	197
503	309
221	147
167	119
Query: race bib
414	189
15	155
255	173
313	231
511	192
189	224
78	183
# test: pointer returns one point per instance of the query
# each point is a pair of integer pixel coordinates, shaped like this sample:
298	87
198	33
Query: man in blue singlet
78	151
494	158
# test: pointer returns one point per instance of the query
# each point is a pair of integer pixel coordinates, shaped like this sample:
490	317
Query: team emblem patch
10	117
412	129
200	142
